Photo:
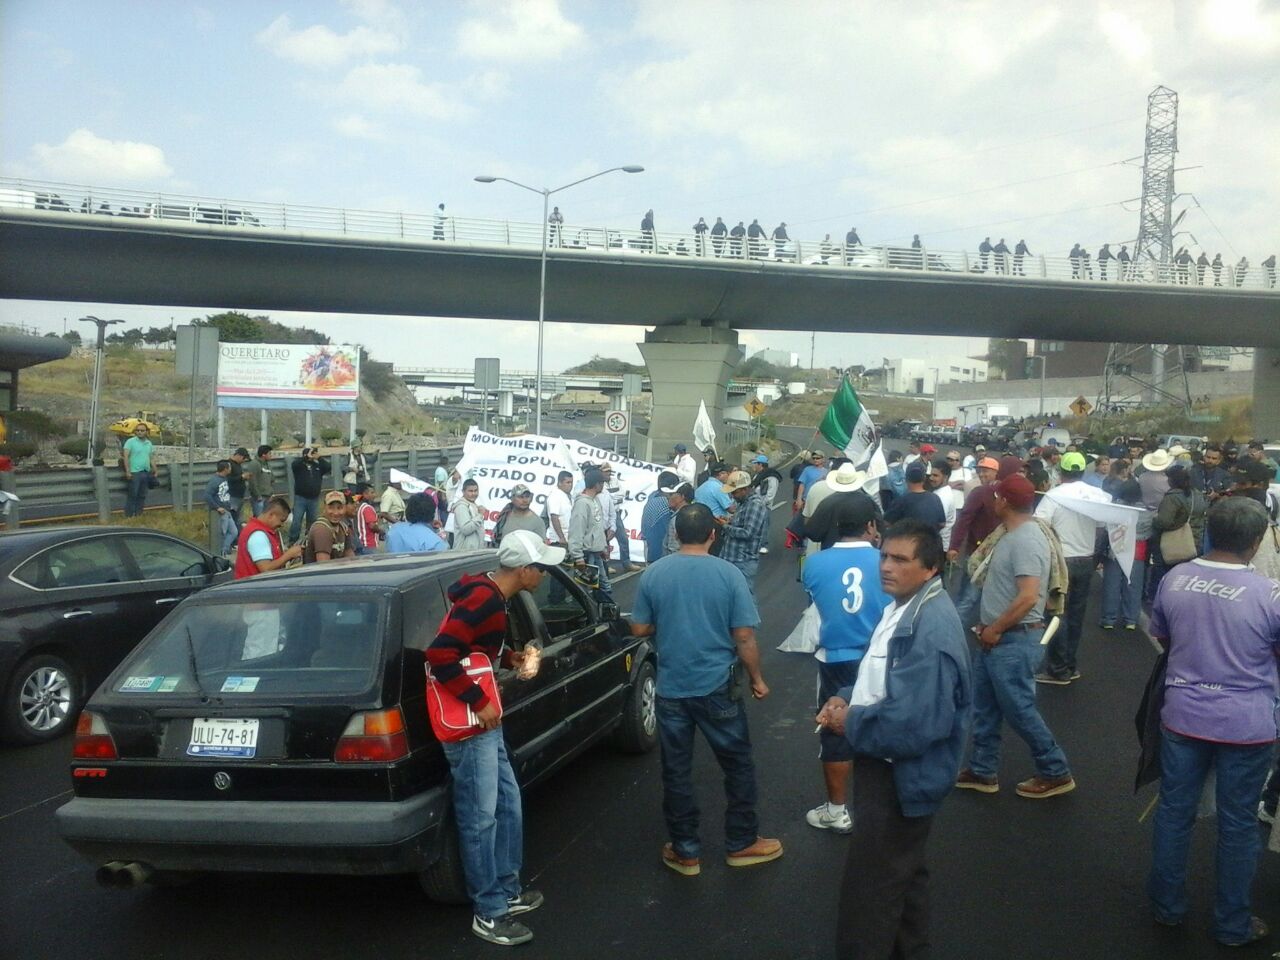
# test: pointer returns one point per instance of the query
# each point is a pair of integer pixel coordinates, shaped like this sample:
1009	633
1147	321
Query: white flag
408	482
1121	521
704	434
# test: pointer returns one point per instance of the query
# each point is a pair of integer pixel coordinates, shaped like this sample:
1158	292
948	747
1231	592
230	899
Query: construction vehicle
124	428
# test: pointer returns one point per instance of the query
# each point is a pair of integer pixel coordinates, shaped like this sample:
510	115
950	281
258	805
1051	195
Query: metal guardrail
245	215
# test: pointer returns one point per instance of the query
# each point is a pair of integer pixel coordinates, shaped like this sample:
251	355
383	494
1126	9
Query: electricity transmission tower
1124	385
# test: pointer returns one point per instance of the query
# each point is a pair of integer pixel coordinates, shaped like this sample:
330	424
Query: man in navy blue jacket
906	718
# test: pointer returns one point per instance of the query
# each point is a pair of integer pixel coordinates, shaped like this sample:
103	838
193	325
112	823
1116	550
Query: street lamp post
97	382
542	281
1041	357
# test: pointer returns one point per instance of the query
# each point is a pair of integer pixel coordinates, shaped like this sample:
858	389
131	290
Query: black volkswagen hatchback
278	724
75	601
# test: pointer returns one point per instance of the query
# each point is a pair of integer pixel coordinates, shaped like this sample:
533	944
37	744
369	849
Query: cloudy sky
951	120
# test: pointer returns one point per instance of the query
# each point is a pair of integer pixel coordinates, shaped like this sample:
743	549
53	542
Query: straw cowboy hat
846	478
1157	460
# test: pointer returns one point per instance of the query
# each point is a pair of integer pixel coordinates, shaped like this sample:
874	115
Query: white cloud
357	127
319	46
520	31
399	88
86	156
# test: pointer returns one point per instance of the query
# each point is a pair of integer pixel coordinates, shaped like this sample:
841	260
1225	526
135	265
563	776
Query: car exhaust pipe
123	874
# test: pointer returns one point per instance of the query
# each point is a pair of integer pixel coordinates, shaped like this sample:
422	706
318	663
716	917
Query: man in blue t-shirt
811	474
844	582
700	613
710	492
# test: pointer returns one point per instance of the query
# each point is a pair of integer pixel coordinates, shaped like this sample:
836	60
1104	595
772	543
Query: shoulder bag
453	719
1178	544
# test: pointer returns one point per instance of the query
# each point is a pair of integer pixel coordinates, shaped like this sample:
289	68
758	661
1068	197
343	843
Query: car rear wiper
191	659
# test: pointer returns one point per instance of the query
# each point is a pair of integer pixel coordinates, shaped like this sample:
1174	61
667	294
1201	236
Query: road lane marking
38	803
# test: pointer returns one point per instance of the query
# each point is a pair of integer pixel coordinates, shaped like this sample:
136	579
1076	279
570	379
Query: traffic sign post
1081	407
754	406
617	422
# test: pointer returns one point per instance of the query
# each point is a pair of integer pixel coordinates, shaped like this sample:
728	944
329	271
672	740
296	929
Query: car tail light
93	739
374	737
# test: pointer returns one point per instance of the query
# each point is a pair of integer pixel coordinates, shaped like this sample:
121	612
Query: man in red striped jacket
486	797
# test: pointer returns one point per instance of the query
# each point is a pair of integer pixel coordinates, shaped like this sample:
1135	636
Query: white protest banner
497	464
1121	521
408	482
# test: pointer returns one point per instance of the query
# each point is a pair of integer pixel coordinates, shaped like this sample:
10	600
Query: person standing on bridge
736	239
917	252
437	232
1242	269
703	620
1122	262
718	232
1001	251
138	469
851	242
648	233
1104	256
1216	267
1202	264
1269	271
700	236
1075	257
905	718
1220	622
756	238
780	240
984	253
1020	251
1014	591
555	226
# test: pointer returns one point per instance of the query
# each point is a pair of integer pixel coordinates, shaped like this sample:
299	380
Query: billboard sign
289	376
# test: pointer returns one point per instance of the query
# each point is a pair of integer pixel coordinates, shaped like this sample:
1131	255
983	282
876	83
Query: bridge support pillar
1266	393
687	363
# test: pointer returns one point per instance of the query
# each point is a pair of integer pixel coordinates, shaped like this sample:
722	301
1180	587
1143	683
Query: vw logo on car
222	780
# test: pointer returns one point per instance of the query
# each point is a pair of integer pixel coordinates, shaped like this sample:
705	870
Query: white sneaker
820	817
764	550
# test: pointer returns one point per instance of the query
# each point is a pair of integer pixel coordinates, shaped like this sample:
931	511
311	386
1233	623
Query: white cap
521	548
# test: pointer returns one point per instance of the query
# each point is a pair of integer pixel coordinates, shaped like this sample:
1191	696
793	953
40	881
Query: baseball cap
521	490
335	496
1017	491
1253	471
1071	462
737	480
523	548
989	463
979	449
928	448
915	471
681	448
761	458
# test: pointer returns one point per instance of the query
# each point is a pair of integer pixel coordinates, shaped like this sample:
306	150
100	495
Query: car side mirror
220	564
610	612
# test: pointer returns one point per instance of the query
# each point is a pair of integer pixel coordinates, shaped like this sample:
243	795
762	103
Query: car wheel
638	732
41	701
444	881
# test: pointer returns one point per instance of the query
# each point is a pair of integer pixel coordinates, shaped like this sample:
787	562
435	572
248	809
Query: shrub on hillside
78	447
17	449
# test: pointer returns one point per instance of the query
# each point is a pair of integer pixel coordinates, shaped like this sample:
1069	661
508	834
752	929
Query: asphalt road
1012	878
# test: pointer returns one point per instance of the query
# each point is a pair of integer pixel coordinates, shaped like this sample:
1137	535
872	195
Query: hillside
136	379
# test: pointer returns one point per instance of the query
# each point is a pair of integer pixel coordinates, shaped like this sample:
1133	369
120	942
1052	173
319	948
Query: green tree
606	365
72	337
234	327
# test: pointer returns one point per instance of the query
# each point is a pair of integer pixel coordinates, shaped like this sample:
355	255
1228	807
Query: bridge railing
441	227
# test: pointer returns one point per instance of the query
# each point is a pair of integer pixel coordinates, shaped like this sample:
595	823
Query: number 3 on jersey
852	580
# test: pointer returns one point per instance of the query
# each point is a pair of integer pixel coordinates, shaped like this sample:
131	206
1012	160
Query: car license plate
216	737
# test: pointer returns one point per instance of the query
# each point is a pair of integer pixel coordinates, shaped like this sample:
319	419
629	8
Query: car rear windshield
263	650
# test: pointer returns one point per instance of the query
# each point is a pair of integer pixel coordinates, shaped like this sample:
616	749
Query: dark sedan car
75	601
279	723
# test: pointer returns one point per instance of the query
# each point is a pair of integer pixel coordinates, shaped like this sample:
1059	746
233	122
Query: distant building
779	358
910	375
1072	358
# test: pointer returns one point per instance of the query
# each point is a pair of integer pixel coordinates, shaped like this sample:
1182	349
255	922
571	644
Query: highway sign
617	421
1081	407
754	406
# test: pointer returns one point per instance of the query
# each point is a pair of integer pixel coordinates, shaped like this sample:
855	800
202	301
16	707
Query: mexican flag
848	428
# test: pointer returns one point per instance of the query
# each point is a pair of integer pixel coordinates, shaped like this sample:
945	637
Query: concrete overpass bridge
63	242
521	382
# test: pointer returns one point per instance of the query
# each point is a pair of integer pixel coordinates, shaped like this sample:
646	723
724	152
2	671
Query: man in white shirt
558	509
685	467
1078	535
940	484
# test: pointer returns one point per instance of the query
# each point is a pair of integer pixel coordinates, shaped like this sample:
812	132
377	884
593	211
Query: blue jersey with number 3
844	581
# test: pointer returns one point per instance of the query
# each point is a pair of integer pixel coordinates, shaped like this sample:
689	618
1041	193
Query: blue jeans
968	596
258	504
227	529
624	539
749	570
136	496
723	723
486	806
1121	600
1060	657
604	592
1185	762
1004	689
304	511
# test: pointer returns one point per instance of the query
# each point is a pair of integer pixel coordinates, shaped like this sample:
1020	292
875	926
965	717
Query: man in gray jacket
587	544
906	718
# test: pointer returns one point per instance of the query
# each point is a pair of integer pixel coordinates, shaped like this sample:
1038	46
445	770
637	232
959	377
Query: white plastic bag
804	638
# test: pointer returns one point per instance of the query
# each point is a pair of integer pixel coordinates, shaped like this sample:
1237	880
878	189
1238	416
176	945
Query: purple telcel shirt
1223	625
